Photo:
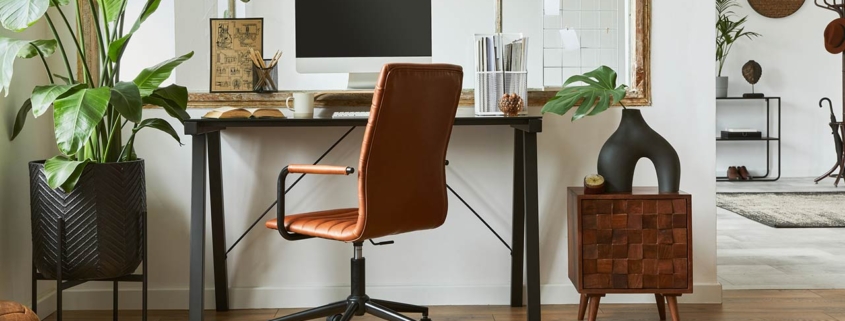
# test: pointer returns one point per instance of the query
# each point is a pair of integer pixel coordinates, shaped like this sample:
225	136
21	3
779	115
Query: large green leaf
112	9
44	96
598	93
76	116
20	119
47	47
116	47
150	78
159	124
17	15
126	98
175	93
63	172
172	108
9	49
54	3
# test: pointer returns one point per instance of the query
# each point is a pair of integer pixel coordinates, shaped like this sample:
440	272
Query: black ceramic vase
633	140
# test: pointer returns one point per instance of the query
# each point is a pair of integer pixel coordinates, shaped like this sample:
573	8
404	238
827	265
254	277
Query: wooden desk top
536	98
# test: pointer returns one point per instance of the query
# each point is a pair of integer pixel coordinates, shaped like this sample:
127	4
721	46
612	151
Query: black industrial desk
206	151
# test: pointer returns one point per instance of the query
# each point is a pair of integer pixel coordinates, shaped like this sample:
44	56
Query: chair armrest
280	192
320	169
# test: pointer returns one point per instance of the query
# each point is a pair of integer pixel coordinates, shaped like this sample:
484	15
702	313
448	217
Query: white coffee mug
303	104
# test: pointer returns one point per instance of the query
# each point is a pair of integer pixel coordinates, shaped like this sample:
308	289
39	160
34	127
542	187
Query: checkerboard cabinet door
639	242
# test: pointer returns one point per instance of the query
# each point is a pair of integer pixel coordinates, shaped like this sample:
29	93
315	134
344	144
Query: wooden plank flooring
738	305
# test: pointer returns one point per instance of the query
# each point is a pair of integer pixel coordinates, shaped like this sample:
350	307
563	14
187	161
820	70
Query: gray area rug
787	209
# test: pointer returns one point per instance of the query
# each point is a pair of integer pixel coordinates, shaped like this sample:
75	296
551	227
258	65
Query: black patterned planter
103	217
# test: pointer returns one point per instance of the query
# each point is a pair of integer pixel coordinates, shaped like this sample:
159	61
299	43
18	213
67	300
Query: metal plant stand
62	284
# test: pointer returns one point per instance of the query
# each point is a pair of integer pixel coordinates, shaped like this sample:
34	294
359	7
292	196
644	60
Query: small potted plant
95	188
728	31
594	92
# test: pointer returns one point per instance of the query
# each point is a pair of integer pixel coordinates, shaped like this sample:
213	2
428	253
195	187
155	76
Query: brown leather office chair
401	179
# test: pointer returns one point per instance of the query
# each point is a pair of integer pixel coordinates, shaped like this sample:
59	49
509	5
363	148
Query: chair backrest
402	175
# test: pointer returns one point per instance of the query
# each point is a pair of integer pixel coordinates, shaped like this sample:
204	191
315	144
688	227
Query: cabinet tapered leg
673	307
582	308
661	305
594	306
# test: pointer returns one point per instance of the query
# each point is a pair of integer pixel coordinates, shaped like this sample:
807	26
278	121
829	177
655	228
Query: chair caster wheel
335	317
425	319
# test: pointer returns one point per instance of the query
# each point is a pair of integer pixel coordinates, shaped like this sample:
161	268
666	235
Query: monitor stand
363	80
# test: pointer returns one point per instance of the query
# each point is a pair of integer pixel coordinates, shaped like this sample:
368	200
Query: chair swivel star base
358	303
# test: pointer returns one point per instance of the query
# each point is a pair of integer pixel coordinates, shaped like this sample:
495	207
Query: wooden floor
739	305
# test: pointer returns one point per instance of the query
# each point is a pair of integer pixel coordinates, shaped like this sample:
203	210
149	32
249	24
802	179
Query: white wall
34	143
459	263
796	67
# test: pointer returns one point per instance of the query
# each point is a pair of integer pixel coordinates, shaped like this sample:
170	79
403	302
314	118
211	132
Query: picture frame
230	69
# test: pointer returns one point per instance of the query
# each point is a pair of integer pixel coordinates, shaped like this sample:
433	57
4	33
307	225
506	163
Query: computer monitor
360	36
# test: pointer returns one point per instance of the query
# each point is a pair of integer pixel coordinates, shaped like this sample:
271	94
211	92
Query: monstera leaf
597	94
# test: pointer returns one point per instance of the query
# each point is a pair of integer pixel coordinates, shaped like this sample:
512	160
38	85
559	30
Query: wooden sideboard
639	242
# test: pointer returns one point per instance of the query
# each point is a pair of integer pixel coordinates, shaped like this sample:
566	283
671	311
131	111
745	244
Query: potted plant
728	31
94	190
594	92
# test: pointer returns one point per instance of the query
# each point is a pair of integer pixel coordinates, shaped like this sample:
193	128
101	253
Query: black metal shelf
744	98
720	139
768	140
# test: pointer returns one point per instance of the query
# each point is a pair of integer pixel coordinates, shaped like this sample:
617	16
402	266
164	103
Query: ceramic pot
634	140
721	87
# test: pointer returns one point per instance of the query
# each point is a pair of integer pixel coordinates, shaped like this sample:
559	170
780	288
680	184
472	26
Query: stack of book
501	68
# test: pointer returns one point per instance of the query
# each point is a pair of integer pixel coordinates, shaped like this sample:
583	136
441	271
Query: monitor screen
363	28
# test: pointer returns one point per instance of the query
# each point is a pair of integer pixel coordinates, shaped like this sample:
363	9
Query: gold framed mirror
616	33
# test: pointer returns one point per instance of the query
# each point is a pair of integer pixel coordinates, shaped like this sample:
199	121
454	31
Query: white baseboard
263	298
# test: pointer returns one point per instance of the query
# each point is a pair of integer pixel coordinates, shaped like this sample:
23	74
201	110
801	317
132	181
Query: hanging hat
834	36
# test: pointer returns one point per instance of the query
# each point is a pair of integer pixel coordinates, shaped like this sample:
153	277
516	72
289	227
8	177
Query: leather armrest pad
318	169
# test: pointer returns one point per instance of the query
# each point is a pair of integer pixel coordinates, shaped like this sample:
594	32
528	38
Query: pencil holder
265	80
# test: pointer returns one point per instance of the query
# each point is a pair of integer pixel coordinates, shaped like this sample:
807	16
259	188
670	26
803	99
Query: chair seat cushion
337	224
12	311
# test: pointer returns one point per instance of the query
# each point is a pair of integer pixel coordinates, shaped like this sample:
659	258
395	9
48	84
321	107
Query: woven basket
102	221
776	8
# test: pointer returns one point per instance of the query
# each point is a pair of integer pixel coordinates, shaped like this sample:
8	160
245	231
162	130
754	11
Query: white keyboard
351	114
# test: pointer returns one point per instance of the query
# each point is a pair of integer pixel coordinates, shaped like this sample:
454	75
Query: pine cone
511	104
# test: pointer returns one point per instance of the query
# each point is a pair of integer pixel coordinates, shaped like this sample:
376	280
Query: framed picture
231	40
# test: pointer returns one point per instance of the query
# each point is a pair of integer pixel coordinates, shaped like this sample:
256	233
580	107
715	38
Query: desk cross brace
261	217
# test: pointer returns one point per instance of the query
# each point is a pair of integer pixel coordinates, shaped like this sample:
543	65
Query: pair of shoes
737	173
733	174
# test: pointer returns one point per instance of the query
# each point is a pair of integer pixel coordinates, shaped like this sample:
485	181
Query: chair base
358	303
358	306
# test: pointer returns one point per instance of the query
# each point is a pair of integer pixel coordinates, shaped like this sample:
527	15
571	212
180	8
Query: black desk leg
518	225
218	222
532	223
198	172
